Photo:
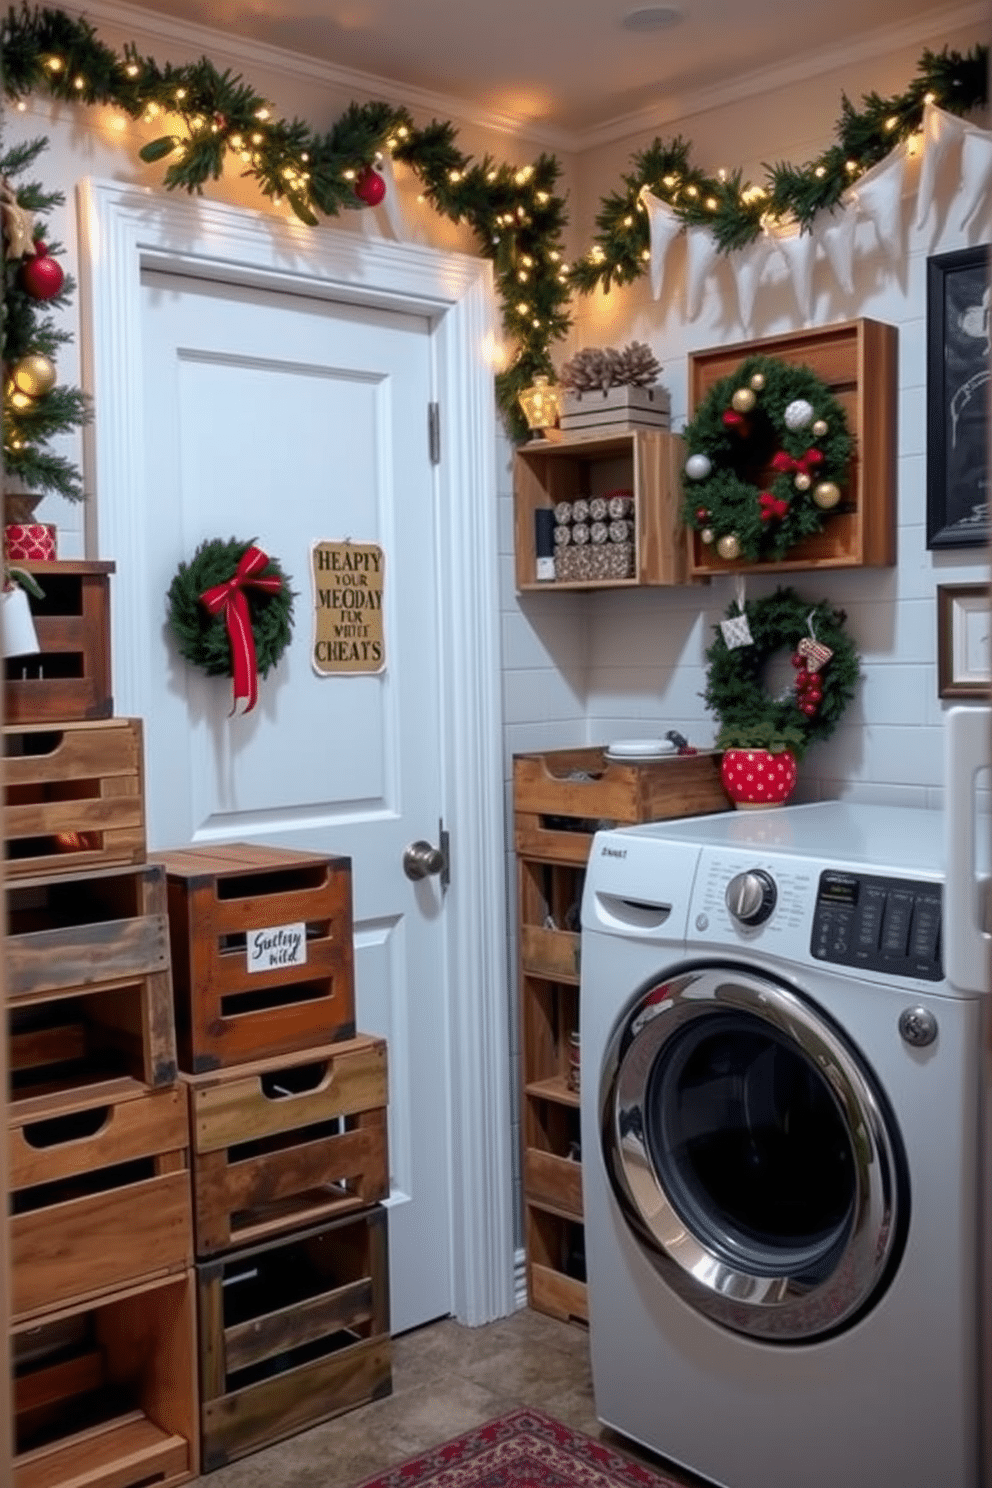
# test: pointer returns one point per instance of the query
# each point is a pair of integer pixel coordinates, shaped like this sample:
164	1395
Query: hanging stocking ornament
41	274
814	653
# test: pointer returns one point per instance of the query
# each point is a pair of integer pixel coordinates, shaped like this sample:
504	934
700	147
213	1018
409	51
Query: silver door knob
422	859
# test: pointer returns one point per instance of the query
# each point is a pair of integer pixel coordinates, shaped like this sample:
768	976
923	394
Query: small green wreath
203	637
768	456
827	671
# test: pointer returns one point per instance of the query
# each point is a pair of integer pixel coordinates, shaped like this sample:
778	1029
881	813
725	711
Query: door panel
291	420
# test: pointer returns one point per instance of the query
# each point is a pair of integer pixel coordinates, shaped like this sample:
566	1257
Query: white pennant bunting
941	131
391	201
665	227
837	240
748	265
799	251
701	256
976	172
878	196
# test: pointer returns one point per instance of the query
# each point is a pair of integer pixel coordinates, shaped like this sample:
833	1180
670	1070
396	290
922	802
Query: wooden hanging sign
348	585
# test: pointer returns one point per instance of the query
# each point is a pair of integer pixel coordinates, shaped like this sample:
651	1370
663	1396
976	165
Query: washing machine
783	1172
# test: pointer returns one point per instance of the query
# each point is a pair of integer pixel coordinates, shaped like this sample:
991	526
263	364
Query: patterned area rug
522	1450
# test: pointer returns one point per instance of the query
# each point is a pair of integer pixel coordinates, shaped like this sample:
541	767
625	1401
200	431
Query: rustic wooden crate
74	796
647	462
555	816
555	1264
858	362
89	993
227	1014
100	1194
284	1142
291	1333
106	1396
70	679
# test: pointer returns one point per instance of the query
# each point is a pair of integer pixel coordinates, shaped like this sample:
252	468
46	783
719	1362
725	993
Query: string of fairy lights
211	118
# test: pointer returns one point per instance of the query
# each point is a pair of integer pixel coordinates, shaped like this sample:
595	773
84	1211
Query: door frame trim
124	228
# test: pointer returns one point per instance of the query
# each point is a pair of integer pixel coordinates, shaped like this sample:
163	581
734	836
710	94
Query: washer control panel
883	924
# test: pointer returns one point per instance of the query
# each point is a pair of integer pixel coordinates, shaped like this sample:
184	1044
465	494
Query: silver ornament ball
698	467
798	414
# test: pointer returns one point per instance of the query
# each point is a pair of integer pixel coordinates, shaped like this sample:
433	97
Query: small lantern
540	405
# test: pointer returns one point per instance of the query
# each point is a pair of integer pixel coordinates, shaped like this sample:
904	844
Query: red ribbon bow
785	464
228	599
771	506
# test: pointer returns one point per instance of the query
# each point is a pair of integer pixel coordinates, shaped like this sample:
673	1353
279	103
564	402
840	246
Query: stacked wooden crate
98	1138
288	1120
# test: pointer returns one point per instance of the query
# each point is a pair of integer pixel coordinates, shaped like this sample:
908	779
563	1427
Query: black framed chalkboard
958	398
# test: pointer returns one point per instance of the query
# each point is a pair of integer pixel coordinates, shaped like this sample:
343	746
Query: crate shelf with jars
638	468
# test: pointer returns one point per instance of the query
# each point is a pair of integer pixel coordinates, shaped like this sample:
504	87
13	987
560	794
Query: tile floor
446	1379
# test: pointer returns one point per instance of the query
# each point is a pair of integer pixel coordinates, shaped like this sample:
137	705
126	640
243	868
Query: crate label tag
277	946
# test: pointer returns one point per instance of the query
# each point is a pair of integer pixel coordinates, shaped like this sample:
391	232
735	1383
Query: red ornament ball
702	515
370	187
42	275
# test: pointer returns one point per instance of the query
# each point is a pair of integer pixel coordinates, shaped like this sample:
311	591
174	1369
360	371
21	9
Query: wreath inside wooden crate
230	609
768	456
826	673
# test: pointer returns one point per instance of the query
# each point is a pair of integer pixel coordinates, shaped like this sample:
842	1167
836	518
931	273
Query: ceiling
570	65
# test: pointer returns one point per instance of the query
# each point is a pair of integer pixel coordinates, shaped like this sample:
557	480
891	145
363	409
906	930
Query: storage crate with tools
69	677
284	1142
89	996
293	1332
105	1395
99	1190
262	955
74	796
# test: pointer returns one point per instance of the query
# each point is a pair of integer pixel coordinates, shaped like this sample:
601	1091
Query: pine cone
587	370
637	365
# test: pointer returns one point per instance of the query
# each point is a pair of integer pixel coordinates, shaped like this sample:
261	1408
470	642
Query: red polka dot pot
754	778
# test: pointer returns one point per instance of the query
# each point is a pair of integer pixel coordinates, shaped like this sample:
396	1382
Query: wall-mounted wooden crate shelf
70	678
106	1396
284	1142
231	1005
858	362
291	1333
74	795
646	462
99	1185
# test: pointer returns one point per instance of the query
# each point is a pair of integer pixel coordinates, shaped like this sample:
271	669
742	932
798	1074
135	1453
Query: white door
289	420
223	411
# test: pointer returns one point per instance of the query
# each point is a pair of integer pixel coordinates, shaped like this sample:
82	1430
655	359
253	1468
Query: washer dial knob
751	896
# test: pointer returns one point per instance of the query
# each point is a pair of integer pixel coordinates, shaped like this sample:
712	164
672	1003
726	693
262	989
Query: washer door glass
752	1153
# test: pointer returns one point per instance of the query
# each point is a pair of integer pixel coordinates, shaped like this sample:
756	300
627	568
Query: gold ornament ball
728	547
820	428
743	400
826	495
706	535
34	375
802	482
758	381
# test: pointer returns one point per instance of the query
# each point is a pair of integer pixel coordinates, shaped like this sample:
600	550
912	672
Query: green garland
515	213
749	717
201	637
733	447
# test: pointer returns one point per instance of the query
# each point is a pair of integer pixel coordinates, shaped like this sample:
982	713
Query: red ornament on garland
370	187
42	275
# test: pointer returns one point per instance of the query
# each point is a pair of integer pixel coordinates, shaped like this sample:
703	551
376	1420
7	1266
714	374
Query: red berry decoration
370	187
702	515
42	275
